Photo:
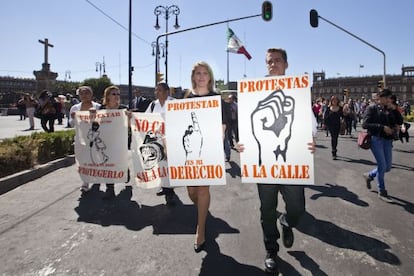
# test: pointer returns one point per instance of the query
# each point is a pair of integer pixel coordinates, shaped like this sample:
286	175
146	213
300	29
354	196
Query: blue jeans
382	150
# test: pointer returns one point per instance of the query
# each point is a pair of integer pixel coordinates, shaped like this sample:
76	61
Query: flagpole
244	73
228	62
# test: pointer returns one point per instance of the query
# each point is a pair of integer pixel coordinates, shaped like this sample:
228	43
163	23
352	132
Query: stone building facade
401	85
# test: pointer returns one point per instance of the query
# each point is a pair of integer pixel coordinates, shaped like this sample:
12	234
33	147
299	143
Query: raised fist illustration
272	124
193	139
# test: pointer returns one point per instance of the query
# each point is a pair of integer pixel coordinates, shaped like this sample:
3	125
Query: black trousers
294	197
334	138
48	120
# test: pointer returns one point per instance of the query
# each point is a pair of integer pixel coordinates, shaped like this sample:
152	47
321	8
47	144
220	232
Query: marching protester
162	94
112	100
381	123
85	95
202	81
332	117
293	195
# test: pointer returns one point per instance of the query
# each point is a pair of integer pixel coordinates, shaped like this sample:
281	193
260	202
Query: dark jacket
376	117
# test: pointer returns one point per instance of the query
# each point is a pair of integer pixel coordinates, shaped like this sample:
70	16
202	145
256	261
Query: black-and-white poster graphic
101	146
275	125
194	137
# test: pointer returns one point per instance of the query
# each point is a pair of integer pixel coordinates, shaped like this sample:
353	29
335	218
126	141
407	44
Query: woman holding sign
112	100
202	81
85	94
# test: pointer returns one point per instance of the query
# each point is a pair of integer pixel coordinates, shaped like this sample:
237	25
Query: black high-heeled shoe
199	248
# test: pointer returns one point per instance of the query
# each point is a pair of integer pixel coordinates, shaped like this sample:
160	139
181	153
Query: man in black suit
139	103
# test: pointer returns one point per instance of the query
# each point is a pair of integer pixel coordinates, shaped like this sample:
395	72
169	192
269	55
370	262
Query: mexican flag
234	44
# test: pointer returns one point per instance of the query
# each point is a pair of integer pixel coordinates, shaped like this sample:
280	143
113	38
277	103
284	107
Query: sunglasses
116	94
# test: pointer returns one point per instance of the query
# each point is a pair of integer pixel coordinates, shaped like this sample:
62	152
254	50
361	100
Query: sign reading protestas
275	126
149	158
101	145
194	137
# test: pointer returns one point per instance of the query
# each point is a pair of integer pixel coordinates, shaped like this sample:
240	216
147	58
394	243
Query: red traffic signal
267	11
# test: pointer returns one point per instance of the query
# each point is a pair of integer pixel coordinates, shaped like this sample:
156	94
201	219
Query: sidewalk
11	126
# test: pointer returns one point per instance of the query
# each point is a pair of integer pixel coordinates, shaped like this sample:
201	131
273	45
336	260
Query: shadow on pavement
404	151
402	167
332	234
336	191
320	146
307	263
215	262
178	219
408	206
234	170
356	161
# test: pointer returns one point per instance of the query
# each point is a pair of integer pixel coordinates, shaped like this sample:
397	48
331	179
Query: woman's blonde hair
204	64
107	92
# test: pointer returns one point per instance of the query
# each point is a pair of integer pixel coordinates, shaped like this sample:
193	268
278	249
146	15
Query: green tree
98	85
64	87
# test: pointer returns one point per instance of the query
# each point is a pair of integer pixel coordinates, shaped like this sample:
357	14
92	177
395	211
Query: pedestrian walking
332	117
85	95
112	100
162	94
381	124
293	195
202	80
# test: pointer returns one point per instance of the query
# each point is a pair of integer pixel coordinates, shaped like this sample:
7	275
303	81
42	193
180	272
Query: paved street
11	126
47	228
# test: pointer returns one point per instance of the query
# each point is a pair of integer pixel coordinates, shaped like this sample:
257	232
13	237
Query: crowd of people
47	107
381	117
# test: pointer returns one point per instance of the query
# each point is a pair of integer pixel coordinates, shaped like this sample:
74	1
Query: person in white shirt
85	95
162	94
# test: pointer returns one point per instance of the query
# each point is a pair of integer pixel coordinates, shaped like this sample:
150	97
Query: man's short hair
385	93
279	50
164	86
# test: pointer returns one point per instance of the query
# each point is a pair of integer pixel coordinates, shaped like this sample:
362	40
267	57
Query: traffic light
267	11
314	18
380	84
160	77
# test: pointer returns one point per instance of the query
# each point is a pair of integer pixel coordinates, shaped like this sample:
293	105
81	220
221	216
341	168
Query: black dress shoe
271	263
287	236
199	248
160	192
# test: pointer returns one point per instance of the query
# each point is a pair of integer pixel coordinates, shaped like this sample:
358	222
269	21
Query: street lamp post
156	52
166	11
100	66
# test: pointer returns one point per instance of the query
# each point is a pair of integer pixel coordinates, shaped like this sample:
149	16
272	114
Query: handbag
342	127
38	112
364	140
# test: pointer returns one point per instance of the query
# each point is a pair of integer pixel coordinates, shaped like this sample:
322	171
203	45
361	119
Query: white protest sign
101	145
275	125
194	137
148	151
